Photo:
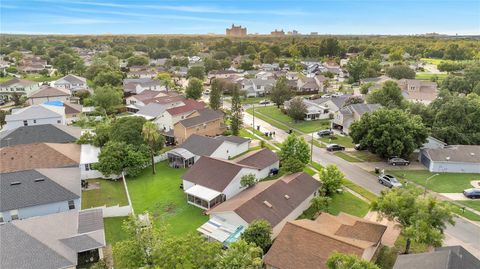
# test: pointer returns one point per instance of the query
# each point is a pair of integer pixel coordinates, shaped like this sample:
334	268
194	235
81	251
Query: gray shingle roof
206	115
31	188
201	145
81	243
152	110
46	133
454	257
232	138
455	153
90	220
74	79
26	252
32	112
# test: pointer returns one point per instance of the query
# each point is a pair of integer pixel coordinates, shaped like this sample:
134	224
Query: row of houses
41	221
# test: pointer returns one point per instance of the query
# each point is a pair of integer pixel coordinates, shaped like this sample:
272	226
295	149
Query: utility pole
311	149
253	114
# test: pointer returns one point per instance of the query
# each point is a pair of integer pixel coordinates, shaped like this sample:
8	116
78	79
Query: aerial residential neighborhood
240	134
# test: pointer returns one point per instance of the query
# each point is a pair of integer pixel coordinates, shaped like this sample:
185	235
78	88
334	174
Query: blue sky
260	16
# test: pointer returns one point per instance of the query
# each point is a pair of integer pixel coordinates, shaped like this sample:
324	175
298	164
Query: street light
426	182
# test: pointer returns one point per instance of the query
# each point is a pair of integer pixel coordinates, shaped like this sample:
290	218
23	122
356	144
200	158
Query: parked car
326	132
398	161
326	96
472	193
335	147
389	181
264	102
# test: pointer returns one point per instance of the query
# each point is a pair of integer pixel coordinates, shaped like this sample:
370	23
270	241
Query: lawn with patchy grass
244	133
444	182
347	157
365	156
275	117
113	229
110	193
253	100
360	190
161	195
342	202
429	76
343	140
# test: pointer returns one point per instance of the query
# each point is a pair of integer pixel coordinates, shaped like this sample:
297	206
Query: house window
25	123
14	214
1	218
34	121
88	167
71	205
59	121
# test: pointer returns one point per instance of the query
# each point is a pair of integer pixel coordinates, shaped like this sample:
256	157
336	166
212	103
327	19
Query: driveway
370	166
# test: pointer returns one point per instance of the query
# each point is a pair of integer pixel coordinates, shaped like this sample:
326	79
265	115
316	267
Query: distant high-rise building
277	33
294	32
236	31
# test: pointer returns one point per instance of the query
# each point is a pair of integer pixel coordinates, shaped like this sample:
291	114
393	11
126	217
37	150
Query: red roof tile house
276	201
305	244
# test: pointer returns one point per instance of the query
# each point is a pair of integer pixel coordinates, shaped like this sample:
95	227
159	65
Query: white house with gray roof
257	87
31	193
347	115
18	86
62	240
35	115
452	159
71	83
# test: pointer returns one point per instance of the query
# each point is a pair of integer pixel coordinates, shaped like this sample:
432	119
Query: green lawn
316	165
316	143
161	195
244	133
275	117
360	190
309	171
444	182
40	78
342	202
113	229
3	79
365	156
253	100
347	157
429	76
110	193
345	141
474	204
465	213
261	134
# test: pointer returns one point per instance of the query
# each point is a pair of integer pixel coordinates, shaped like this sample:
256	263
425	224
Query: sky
395	17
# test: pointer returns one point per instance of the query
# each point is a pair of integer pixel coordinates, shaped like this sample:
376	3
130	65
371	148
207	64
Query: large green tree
259	232
236	119
153	139
108	77
338	260
240	255
216	95
332	179
400	71
137	60
357	68
68	63
107	98
197	71
294	149
194	88
128	130
297	109
281	92
422	220
390	96
117	157
389	132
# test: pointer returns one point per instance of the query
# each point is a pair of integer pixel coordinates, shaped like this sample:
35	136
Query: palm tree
153	139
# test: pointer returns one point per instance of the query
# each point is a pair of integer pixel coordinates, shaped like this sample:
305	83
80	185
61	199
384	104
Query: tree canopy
194	89
259	232
390	96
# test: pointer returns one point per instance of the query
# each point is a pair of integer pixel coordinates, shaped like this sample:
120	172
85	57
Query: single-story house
46	94
211	181
138	85
276	201
222	147
451	257
347	115
452	159
72	83
314	110
305	244
205	121
35	115
39	155
30	193
18	86
55	241
45	133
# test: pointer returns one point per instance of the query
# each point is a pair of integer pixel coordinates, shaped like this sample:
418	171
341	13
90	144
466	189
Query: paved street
464	232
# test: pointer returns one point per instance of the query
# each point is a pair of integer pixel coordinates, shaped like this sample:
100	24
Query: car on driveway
472	193
323	133
335	147
398	161
264	102
389	181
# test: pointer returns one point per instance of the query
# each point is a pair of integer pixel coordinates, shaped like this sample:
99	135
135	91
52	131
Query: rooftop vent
39	179
267	204
472	153
287	197
447	158
13	183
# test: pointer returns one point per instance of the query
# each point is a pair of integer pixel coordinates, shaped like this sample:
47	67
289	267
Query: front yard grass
110	193
161	195
347	157
253	100
472	204
342	202
343	140
360	190
275	117
365	156
464	213
443	183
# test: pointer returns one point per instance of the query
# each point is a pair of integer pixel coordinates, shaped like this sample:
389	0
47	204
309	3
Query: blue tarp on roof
54	103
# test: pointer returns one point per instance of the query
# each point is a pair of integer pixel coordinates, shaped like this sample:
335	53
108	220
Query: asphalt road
463	232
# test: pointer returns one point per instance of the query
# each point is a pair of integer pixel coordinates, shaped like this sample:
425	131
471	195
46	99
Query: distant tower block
277	33
236	31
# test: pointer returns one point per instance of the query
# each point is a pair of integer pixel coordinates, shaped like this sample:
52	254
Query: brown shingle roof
190	105
259	159
40	155
308	244
250	204
206	115
47	91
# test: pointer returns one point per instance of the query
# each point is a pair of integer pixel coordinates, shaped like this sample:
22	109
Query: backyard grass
429	76
275	117
110	193
444	182
113	229
161	195
347	157
345	141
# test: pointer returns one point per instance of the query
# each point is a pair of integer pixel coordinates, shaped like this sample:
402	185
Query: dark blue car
472	193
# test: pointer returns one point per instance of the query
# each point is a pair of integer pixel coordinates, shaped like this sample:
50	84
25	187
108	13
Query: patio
204	197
